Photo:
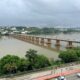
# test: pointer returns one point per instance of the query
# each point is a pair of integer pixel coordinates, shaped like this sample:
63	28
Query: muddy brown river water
13	46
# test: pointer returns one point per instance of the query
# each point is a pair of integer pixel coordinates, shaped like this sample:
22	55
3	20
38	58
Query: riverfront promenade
48	74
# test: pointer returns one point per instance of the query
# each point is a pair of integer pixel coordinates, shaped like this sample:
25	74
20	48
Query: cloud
39	12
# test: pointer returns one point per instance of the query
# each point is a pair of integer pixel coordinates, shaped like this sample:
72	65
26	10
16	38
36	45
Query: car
60	78
78	75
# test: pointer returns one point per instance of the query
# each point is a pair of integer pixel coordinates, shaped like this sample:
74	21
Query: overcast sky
40	12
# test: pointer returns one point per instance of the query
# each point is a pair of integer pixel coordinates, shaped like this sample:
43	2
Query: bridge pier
29	38
42	41
24	38
48	43
37	40
21	37
57	44
69	45
33	39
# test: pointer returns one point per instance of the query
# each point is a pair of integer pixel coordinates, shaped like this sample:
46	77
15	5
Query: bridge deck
60	39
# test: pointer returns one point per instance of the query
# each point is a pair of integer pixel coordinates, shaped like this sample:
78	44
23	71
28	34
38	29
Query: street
71	77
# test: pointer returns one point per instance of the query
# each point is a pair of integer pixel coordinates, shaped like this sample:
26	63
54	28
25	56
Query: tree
37	61
46	30
31	56
23	65
77	50
9	62
41	62
68	56
10	68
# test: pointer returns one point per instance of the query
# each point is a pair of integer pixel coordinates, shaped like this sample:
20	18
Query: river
13	46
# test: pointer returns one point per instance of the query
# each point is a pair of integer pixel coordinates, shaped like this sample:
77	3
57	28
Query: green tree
23	65
77	50
9	61
68	56
31	56
41	62
10	68
37	61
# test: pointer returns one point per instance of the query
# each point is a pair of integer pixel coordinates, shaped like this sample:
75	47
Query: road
71	77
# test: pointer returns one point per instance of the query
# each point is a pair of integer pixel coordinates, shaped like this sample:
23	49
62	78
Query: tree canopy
69	55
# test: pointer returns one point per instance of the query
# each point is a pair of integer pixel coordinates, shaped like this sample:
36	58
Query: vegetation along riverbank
11	64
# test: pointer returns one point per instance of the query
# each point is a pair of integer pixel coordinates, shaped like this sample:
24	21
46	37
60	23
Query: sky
40	12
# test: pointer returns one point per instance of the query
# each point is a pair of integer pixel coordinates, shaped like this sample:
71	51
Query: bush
77	50
12	64
9	63
23	65
37	61
41	62
68	56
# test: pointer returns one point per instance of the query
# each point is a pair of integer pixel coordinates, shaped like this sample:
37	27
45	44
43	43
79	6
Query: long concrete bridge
45	42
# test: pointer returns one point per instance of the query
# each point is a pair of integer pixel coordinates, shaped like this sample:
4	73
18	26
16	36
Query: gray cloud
39	12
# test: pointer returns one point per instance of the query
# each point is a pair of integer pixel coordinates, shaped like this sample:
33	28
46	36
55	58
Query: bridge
45	42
